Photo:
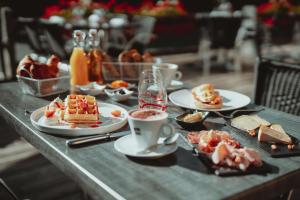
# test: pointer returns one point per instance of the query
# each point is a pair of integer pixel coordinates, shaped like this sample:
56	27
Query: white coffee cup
168	71
146	131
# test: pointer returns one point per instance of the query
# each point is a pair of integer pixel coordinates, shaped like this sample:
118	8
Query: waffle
81	109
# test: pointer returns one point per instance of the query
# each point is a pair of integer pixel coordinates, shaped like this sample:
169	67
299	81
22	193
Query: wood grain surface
106	174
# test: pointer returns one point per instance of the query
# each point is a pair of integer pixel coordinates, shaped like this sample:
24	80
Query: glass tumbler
151	91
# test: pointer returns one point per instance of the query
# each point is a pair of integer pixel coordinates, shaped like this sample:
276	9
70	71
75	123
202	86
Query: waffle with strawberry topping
81	109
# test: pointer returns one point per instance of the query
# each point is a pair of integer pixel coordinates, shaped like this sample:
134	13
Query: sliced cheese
266	134
277	127
245	122
260	120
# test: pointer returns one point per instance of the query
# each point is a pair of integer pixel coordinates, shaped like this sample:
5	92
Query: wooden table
105	173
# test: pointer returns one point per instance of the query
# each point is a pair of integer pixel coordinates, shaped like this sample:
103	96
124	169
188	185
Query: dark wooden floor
30	175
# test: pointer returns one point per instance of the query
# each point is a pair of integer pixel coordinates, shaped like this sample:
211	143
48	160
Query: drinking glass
151	91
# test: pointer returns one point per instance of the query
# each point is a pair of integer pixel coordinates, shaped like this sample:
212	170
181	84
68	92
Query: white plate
109	123
231	100
175	85
126	145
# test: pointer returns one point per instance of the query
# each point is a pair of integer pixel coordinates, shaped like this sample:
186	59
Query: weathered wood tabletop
107	174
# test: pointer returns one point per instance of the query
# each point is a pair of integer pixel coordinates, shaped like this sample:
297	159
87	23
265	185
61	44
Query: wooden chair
217	38
45	38
7	48
278	85
6	192
143	34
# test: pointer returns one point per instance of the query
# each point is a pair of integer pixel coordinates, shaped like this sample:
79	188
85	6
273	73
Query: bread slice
199	104
260	120
266	134
245	122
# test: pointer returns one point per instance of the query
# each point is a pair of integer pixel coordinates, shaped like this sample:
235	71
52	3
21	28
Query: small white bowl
92	88
117	96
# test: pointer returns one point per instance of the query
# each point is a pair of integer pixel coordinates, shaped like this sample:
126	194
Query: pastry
111	69
206	97
28	67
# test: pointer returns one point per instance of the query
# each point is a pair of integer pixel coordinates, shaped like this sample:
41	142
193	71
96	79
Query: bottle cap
78	37
94	37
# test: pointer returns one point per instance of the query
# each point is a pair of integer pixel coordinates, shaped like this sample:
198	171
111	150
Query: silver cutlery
166	141
235	112
94	138
27	112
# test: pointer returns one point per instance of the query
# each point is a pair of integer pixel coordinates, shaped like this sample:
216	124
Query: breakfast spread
223	150
206	97
28	67
76	109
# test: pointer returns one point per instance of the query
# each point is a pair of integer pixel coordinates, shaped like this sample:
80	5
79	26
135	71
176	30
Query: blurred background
215	41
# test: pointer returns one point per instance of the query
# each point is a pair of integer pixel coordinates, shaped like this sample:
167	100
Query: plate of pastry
78	115
206	98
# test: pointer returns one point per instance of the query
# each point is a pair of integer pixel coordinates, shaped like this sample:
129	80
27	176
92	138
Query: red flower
265	7
269	21
51	10
68	3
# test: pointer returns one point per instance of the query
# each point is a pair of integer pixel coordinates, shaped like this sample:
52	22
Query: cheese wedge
260	120
266	134
277	127
245	122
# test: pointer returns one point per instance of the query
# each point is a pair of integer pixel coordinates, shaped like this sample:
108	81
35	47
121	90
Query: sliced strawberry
116	113
94	126
213	142
57	104
49	113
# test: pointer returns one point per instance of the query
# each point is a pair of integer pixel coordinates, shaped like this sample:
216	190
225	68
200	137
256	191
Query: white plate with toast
108	122
231	100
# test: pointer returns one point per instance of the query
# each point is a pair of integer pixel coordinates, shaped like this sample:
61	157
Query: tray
280	152
227	171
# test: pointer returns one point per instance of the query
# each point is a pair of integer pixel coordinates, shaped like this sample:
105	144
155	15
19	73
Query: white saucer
175	85
126	145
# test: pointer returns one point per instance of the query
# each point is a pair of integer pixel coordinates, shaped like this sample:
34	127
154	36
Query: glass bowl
44	87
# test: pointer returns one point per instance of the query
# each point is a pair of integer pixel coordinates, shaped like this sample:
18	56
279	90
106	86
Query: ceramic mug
146	131
168	71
